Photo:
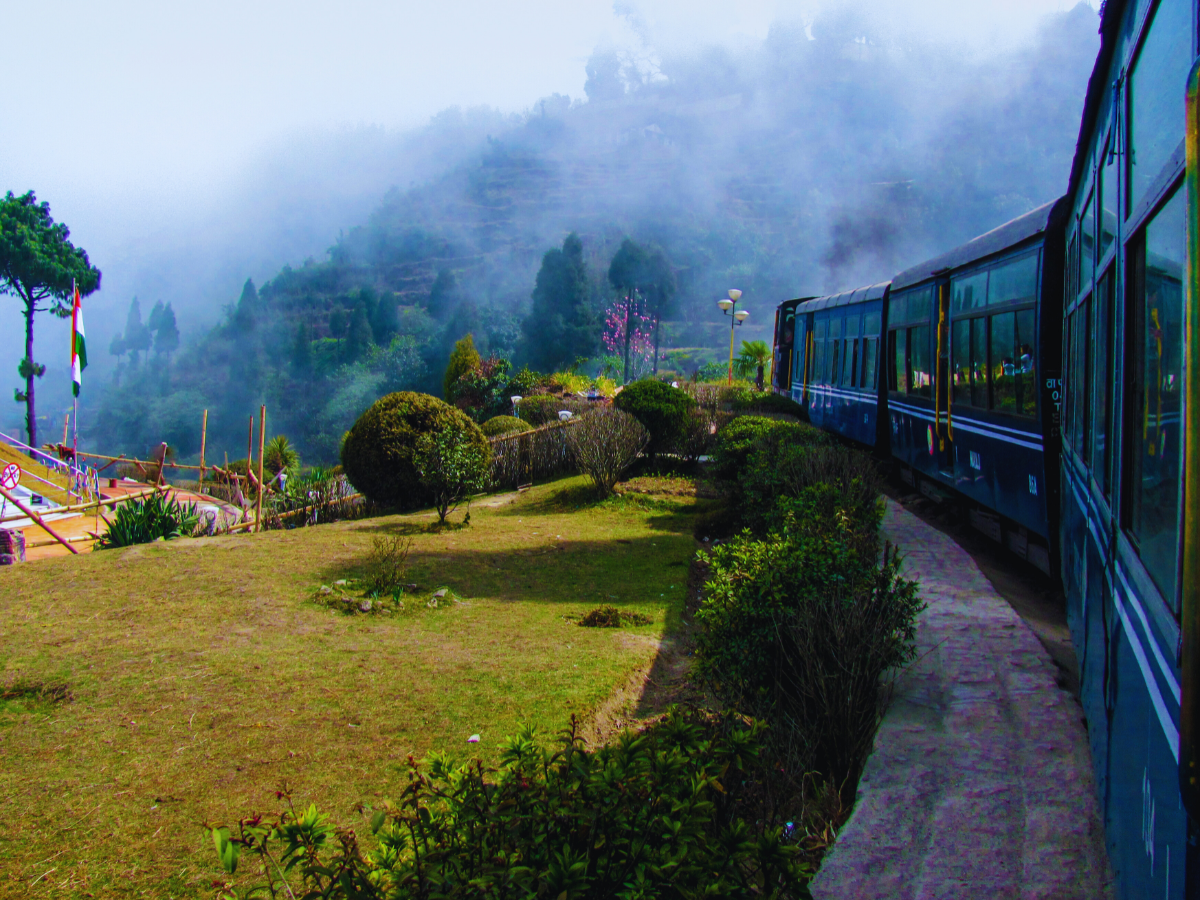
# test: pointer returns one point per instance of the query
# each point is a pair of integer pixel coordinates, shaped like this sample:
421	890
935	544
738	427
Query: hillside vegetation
816	160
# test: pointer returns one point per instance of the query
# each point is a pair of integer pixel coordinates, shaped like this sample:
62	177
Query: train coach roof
995	241
859	295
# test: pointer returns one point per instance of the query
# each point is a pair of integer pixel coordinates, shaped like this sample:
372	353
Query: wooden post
66	422
29	512
262	429
203	436
250	449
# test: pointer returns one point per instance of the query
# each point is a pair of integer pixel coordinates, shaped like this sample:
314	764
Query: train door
800	341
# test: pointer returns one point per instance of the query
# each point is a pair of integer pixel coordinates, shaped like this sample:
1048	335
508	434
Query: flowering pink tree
629	332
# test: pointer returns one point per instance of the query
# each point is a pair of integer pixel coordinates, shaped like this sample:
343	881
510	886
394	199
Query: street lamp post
736	317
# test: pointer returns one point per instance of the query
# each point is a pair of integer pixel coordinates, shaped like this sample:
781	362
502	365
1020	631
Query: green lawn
202	673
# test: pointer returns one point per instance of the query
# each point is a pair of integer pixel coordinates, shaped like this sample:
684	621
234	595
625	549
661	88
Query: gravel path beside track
980	784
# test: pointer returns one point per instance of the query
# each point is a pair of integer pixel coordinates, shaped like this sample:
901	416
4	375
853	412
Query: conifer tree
463	358
562	324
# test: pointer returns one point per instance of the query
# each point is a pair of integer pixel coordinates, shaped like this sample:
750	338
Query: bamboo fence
528	456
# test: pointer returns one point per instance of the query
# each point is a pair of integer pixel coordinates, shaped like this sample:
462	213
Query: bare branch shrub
604	443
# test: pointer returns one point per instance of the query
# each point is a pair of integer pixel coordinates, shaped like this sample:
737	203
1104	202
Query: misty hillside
821	159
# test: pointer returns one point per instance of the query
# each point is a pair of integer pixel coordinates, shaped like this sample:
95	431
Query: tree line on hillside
318	348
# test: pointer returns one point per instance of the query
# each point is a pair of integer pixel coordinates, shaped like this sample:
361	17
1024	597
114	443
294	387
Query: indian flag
78	345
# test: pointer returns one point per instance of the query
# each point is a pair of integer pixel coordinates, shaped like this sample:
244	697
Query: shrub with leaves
543	409
802	626
696	436
735	441
147	519
764	402
387	563
453	463
377	453
604	443
780	468
662	409
500	425
658	814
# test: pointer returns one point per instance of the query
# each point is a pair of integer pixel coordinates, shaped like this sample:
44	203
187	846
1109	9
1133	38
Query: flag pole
74	393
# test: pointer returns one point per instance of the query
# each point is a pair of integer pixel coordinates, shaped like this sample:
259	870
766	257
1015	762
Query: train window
979	366
1087	243
1106	191
1156	96
960	361
1068	400
1003	363
1079	380
969	292
896	369
871	323
820	346
1073	266
850	349
1153	403
1014	281
1102	371
870	352
1025	365
920	379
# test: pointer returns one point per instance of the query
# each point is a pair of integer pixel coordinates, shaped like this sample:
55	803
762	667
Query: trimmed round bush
662	410
499	425
735	441
377	452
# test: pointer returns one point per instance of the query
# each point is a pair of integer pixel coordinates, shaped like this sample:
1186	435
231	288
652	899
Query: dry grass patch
198	675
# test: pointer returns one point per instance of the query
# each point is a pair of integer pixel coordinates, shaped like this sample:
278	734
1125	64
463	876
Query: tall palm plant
754	357
280	454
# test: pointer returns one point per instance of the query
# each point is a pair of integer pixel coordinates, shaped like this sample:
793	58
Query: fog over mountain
831	152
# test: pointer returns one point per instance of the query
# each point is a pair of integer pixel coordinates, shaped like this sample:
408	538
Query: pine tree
245	312
137	337
463	358
359	338
562	324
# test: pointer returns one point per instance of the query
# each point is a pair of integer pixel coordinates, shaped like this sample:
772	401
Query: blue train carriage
835	370
973	383
1123	529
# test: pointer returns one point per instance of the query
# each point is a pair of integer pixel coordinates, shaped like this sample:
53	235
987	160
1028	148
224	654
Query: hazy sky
142	122
160	99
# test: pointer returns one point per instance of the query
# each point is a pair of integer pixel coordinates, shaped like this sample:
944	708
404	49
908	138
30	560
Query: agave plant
144	520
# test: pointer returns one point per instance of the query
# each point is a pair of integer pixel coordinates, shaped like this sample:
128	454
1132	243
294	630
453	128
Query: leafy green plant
148	519
280	454
734	442
670	813
378	451
543	409
662	409
453	463
762	402
387	563
604	443
752	360
801	628
500	425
